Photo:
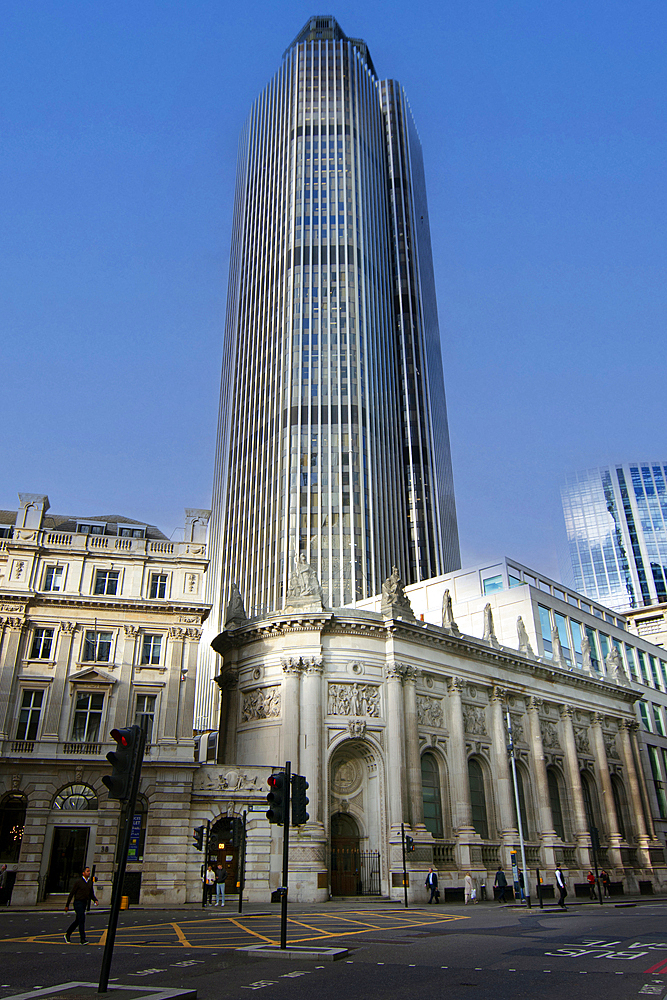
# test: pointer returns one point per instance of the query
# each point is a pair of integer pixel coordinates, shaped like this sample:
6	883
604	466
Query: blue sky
543	127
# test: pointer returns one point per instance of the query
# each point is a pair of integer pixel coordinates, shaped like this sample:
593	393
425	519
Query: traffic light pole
405	867
119	878
204	889
242	872
286	826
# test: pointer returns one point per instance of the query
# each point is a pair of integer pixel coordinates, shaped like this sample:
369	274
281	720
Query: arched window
12	821
554	801
76	797
590	800
621	804
431	795
525	819
478	798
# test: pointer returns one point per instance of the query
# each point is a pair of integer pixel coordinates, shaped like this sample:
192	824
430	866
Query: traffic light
198	837
278	793
409	844
123	761
299	800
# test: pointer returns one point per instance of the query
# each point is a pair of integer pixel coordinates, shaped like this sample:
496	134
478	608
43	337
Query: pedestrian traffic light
198	837
299	800
123	760
276	798
409	844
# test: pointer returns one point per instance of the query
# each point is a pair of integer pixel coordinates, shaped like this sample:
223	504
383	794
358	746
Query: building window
590	800
630	653
554	800
658	783
6	530
53	577
561	625
478	799
654	671
522	804
125	532
515	581
12	821
545	625
31	710
158	584
87	717
90	529
576	642
151	649
75	797
592	642
642	664
146	710
97	647
42	640
106	581
643	711
657	718
431	795
620	804
492	584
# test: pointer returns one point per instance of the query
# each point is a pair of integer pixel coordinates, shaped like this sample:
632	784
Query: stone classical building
397	720
100	619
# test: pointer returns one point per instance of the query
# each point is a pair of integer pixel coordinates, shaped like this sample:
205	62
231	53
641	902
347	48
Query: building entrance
68	857
224	849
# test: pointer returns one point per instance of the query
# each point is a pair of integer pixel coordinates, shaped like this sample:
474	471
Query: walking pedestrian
606	882
209	883
500	884
82	891
590	878
468	888
562	888
431	884
220	879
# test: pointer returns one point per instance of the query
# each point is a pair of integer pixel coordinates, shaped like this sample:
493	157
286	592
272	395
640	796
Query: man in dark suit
431	883
82	891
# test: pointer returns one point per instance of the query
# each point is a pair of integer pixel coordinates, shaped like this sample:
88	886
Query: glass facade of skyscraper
333	437
616	523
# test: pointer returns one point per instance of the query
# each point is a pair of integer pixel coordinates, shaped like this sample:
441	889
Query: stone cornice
92	604
340	622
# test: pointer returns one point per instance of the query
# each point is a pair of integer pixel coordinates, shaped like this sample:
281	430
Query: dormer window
6	530
90	528
125	531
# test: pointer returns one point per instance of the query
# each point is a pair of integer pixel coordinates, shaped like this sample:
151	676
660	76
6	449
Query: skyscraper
616	523
332	436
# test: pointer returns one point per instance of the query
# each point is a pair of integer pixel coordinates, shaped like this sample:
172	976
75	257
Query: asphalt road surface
485	951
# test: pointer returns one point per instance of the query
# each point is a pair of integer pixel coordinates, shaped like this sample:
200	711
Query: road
485	951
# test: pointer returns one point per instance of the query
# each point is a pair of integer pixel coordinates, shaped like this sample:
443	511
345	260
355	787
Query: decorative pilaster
604	782
626	733
54	714
503	780
412	753
10	646
574	782
176	640
547	833
395	746
311	750
291	727
188	683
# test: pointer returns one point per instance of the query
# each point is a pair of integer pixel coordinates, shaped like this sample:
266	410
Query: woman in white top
467	887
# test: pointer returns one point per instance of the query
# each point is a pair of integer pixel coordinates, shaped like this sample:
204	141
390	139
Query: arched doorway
345	856
225	843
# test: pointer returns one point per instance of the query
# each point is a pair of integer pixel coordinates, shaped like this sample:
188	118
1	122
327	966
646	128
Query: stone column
503	783
54	714
123	715
395	751
547	833
626	732
464	831
291	727
311	750
413	756
10	658
643	789
574	781
604	781
228	682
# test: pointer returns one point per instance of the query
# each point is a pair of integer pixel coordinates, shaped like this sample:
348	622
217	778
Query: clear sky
544	133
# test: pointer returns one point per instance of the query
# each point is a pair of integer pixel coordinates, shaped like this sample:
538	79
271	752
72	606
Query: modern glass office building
616	523
332	436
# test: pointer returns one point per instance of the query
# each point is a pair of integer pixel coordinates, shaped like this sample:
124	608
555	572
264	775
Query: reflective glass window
563	635
478	799
545	626
575	628
643	711
492	583
632	663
